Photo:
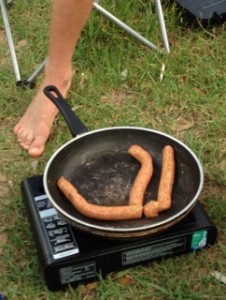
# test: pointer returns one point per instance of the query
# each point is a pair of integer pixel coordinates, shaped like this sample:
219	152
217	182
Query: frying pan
98	164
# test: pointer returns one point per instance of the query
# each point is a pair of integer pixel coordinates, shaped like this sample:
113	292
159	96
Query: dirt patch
2	37
182	123
4	187
3	241
117	97
212	189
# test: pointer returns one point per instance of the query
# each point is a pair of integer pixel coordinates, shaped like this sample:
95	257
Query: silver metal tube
37	72
162	25
10	41
125	27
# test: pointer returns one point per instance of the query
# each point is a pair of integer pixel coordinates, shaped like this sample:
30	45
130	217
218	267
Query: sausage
143	177
98	212
167	178
165	186
151	209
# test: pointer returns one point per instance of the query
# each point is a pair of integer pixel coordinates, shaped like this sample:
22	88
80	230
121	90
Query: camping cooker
73	249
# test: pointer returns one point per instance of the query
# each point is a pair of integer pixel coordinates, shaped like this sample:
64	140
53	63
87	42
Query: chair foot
9	3
25	84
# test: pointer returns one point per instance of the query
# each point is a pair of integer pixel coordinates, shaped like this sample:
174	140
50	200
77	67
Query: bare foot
33	129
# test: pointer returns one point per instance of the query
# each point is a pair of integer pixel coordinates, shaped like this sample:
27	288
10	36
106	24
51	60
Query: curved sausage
165	186
98	212
143	177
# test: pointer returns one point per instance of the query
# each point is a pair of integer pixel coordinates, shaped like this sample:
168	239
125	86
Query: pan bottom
107	179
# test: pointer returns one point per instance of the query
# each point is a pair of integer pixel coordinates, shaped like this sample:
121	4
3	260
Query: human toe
35	152
37	147
25	138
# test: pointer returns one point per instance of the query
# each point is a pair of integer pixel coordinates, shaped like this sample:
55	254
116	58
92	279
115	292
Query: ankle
60	77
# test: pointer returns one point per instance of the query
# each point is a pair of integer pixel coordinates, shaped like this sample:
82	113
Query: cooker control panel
58	233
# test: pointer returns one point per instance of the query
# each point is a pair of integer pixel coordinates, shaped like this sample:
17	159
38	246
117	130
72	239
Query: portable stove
69	256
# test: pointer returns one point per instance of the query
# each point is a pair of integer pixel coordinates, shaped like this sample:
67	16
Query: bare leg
67	22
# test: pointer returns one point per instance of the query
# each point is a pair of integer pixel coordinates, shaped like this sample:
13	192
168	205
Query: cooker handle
75	125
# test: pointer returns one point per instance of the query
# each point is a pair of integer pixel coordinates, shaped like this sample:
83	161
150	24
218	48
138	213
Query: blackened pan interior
98	164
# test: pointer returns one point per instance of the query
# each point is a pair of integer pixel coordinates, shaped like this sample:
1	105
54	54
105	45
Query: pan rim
68	216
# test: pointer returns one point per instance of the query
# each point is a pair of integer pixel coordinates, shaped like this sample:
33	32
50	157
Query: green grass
189	103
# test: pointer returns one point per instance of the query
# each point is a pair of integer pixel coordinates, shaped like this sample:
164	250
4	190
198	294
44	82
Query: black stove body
69	256
208	12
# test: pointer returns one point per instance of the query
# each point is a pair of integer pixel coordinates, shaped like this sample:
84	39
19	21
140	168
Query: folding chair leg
125	27
162	25
36	73
135	34
19	81
105	13
10	42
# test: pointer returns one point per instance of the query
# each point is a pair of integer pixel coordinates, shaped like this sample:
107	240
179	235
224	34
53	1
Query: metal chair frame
30	81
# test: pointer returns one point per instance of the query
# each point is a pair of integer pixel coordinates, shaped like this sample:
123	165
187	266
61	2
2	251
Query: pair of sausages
135	208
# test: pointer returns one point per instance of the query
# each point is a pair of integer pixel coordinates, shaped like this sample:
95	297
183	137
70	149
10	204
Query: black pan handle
75	125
